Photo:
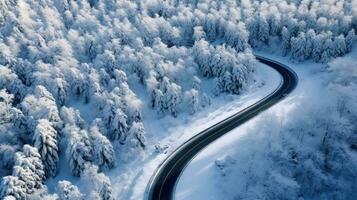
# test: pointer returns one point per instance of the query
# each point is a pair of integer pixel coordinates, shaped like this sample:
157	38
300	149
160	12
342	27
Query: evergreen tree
329	51
45	140
340	45
118	125
67	191
263	30
80	150
12	186
137	134
350	39
317	43
193	101
285	35
298	47
99	181
29	169
236	36
102	149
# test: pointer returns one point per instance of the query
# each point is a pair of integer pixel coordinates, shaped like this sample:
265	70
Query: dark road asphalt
162	183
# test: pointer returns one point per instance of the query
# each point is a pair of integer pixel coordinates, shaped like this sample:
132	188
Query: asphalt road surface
162	183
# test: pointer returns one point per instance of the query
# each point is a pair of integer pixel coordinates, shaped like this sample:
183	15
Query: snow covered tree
340	45
102	149
259	30
274	22
10	81
80	150
172	97
224	83
11	117
193	101
285	37
137	134
198	33
45	140
10	197
29	169
7	154
40	105
12	186
67	191
317	43
298	47
71	116
350	39
236	36
202	55
118	123
263	30
99	181
329	50
106	191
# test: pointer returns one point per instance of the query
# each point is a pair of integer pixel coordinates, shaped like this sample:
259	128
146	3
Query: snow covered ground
168	134
202	179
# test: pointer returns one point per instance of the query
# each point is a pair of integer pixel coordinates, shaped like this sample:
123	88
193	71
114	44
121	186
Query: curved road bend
162	183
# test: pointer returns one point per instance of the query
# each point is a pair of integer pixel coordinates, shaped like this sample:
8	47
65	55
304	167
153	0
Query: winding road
162	183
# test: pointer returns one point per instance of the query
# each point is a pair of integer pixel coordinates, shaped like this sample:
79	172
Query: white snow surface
199	179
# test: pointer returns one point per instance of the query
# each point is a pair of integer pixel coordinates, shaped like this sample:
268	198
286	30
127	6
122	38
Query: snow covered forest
76	76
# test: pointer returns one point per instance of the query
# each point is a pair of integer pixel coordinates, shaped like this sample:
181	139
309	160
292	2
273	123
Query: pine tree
12	186
236	36
198	33
101	183
106	192
275	24
29	169
10	197
40	105
118	125
350	39
298	47
137	134
80	151
329	51
340	45
172	98
263	30
45	140
10	81
102	149
70	116
67	191
202	53
317	43
192	99
285	36
310	35
224	83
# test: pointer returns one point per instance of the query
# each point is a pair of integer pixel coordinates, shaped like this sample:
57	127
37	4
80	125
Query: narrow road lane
162	183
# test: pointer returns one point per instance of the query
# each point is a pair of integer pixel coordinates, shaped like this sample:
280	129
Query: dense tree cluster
317	30
75	75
